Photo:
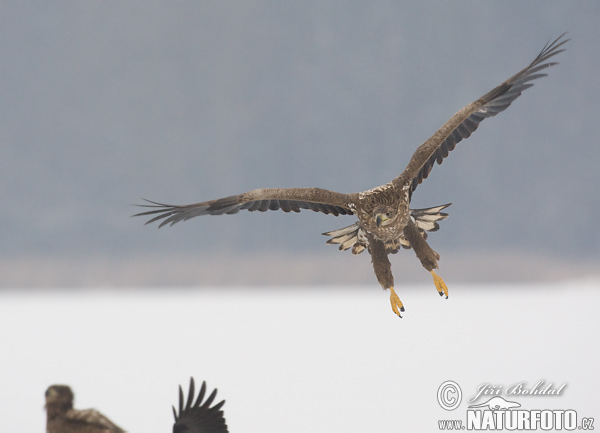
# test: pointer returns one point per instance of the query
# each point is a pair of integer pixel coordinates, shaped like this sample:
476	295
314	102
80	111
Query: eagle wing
466	120
198	417
89	421
286	199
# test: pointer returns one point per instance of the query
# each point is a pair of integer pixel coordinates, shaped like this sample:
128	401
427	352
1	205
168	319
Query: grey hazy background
103	103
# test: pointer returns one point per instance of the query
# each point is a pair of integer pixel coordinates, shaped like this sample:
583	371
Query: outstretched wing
465	121
286	199
198	417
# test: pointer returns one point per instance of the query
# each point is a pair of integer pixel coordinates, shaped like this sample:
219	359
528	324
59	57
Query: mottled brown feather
62	418
286	199
467	119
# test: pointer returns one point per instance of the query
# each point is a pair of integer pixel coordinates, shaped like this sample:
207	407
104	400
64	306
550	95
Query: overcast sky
104	103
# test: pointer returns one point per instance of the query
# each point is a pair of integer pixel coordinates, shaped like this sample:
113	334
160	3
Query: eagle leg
383	272
439	284
397	305
426	255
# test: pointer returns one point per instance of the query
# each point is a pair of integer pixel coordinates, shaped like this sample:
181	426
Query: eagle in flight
385	220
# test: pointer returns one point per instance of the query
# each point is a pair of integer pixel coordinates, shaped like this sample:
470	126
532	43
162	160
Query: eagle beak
378	220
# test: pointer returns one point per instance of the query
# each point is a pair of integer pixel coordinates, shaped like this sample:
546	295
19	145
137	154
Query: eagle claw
397	305
440	285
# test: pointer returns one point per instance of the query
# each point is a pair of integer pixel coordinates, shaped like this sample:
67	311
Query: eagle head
384	215
59	395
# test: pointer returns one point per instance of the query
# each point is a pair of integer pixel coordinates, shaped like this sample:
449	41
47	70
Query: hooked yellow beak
380	219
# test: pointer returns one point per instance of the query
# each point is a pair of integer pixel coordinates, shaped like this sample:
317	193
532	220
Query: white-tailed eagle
385	221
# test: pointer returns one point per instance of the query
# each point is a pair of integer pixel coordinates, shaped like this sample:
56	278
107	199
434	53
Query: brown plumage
385	221
62	418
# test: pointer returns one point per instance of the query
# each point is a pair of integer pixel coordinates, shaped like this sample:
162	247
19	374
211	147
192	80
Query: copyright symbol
449	395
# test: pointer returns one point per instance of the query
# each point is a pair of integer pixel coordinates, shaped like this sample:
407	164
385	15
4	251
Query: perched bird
198	417
62	418
385	221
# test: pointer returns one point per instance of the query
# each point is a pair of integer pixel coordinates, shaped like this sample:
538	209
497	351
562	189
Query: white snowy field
296	359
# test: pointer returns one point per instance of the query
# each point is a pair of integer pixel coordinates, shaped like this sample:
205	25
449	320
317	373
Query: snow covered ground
296	359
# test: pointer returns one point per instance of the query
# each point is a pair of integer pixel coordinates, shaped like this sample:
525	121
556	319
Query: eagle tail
426	219
354	237
350	236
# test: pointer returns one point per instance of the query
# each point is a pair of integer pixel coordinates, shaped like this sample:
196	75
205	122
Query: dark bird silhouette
385	221
199	417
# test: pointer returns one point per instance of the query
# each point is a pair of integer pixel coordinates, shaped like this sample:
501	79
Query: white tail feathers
354	236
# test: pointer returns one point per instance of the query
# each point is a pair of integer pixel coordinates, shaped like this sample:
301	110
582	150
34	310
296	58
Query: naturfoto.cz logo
498	413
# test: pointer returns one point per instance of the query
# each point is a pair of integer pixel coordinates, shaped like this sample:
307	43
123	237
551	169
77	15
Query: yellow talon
396	302
439	284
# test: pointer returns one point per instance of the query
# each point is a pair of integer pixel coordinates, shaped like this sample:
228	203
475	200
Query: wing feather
354	236
466	121
262	200
198	416
90	420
